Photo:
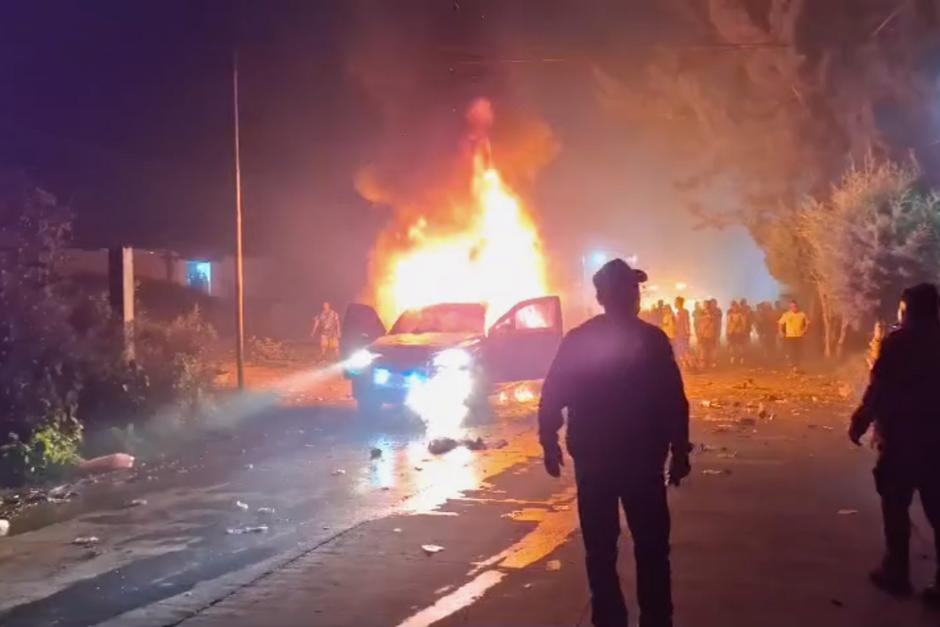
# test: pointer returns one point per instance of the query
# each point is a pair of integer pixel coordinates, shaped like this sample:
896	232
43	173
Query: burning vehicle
444	354
461	269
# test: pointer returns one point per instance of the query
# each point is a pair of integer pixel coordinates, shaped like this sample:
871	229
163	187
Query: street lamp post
239	259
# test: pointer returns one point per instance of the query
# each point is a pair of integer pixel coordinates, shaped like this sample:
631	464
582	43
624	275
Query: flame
493	255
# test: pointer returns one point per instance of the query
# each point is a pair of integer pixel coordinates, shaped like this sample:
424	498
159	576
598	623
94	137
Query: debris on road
396	530
431	549
439	446
242	506
716	471
747	421
553	565
237	531
136	503
375	453
500	444
4	527
86	540
847	512
266	511
106	463
474	445
60	494
338	472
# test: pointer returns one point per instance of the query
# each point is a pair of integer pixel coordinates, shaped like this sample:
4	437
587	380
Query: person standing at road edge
903	403
627	414
326	325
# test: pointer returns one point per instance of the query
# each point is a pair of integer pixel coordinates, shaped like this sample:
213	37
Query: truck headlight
381	376
452	359
360	359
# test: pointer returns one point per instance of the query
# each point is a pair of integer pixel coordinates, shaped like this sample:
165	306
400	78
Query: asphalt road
776	527
311	461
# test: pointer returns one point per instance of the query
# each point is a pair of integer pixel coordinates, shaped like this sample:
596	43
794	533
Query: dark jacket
903	396
623	392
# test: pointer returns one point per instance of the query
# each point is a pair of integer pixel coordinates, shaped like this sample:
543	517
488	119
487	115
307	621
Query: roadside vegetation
68	388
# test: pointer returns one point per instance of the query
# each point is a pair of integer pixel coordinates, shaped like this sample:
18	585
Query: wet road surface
776	527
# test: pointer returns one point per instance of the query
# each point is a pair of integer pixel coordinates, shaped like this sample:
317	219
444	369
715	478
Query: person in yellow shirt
793	325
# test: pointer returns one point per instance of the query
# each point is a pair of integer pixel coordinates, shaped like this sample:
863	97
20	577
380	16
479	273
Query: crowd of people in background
777	331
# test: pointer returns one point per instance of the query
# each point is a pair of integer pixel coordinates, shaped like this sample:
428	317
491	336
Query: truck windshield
447	318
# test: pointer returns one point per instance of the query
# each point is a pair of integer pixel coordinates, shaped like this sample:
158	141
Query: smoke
592	182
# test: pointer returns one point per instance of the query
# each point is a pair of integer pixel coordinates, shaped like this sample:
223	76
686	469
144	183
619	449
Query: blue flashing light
414	379
381	376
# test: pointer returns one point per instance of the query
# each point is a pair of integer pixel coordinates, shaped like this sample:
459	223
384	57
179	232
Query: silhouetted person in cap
903	402
626	411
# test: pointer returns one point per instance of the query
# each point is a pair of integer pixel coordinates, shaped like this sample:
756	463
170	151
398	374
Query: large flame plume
481	246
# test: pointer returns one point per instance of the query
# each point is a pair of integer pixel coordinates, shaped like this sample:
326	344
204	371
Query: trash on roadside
338	472
60	494
431	549
396	530
375	453
107	463
86	540
237	531
268	511
847	512
136	503
553	565
242	506
474	445
439	446
716	471
4	527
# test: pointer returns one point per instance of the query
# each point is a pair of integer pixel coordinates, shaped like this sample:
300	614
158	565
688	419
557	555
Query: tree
768	101
877	232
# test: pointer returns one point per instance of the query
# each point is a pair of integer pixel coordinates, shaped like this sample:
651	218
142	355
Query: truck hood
407	350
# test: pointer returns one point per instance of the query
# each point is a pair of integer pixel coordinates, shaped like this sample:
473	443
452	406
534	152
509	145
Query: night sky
123	111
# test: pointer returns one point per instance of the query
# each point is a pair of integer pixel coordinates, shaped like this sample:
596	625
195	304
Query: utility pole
239	258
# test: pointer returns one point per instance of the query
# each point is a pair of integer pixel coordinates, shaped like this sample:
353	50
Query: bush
63	365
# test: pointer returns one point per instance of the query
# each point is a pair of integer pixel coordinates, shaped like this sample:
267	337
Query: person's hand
554	460
855	427
679	468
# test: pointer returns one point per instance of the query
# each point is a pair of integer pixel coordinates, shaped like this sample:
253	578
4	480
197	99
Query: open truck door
522	342
361	327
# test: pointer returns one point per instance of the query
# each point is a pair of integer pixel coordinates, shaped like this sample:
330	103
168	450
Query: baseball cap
616	275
